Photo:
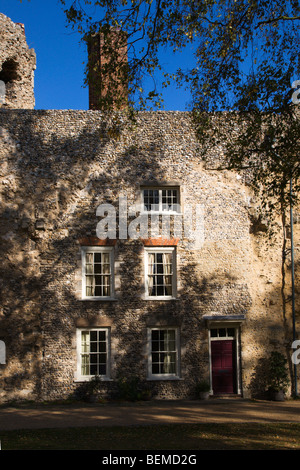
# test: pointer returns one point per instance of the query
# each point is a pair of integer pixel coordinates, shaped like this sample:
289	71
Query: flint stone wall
17	65
57	167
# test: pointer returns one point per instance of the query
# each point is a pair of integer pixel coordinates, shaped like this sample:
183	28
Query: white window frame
163	376
154	250
97	249
79	376
160	210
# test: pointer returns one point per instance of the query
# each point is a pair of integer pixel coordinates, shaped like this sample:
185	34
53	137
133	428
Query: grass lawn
229	436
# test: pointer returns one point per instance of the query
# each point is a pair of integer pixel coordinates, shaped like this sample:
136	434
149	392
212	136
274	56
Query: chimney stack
107	70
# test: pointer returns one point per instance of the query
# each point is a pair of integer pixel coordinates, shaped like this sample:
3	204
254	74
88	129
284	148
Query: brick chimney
104	80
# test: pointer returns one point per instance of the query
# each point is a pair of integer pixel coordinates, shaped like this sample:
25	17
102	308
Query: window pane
89	268
155	358
93	335
98	264
155	334
93	347
85	365
168	363
102	335
160	291
102	359
89	292
93	369
98	291
105	258
97	257
89	285
97	268
85	345
159	258
169	199
89	258
151	199
106	268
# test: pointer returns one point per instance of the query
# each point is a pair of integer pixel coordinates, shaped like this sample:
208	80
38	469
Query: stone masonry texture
57	168
17	65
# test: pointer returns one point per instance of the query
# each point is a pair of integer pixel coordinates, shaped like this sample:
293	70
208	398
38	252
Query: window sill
161	298
101	299
88	379
164	378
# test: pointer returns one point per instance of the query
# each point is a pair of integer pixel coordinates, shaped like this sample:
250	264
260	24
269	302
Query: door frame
236	359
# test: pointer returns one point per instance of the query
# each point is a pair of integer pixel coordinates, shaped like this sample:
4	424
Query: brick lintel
160	241
95	241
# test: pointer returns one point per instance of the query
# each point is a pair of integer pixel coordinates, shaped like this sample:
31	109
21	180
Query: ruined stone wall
17	65
57	167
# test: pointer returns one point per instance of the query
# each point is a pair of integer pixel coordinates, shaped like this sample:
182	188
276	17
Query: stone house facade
125	255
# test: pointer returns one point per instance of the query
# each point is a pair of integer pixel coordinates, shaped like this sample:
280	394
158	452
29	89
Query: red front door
223	369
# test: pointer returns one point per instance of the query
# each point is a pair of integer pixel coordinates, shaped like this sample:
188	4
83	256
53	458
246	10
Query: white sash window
97	273
93	353
160	272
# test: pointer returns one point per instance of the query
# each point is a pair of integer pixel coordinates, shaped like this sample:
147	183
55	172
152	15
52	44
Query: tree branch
279	18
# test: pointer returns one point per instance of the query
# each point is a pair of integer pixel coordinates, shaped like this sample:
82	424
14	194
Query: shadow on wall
42	218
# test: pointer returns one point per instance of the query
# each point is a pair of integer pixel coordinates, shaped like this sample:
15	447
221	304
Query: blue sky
59	77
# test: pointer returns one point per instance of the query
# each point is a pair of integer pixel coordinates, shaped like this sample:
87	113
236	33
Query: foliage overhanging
246	59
